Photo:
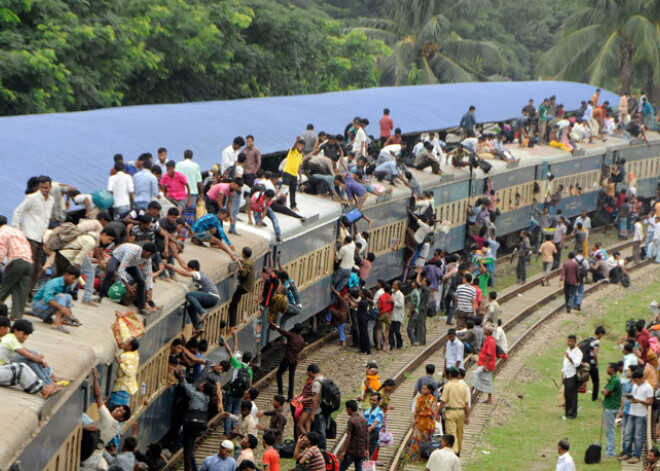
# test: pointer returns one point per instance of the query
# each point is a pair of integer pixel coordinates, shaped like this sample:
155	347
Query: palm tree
423	42
606	39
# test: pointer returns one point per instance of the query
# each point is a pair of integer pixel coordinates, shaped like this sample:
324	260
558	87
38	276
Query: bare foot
50	390
89	303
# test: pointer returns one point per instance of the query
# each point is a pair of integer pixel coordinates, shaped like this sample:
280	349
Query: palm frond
571	49
447	69
428	77
467	51
387	37
645	35
434	29
397	66
606	63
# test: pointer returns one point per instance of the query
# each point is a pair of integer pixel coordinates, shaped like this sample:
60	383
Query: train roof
71	356
76	148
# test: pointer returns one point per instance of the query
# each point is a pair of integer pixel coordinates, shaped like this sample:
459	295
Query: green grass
527	438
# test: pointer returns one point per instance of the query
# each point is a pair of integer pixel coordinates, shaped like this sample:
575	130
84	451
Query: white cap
227	444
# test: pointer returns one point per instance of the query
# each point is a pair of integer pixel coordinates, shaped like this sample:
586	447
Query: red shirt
643	341
385	303
386	126
488	348
570	273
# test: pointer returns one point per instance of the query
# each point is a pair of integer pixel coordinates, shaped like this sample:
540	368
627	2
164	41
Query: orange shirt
272	459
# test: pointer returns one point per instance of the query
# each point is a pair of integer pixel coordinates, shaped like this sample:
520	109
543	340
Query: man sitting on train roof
390	152
13	351
426	159
54	299
460	156
391	171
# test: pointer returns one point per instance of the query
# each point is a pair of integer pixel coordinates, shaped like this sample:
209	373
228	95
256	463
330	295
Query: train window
67	457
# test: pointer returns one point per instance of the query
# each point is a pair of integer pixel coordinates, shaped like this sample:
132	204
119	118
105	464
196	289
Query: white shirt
641	392
399	304
378	294
121	186
359	144
346	255
107	424
454	353
569	368
500	339
229	157
469	393
565	463
586	222
638	234
444	459
32	215
630	359
656	231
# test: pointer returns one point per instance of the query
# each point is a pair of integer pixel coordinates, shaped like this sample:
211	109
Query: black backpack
330	397
241	383
585	348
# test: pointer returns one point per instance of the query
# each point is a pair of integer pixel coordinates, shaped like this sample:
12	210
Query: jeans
348	459
235	199
395	334
340	278
521	269
43	373
633	442
117	210
412	328
271	215
318	426
135	273
232	405
569	295
342	333
89	272
141	204
198	303
45	311
119	398
579	295
285	365
609	416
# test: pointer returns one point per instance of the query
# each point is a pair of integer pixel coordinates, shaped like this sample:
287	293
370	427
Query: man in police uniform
454	401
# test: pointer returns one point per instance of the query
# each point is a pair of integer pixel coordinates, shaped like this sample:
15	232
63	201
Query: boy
271	459
493	310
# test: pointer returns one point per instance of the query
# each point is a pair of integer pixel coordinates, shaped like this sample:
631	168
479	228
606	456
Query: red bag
331	461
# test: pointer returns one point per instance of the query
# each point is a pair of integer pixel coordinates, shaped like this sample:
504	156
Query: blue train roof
77	148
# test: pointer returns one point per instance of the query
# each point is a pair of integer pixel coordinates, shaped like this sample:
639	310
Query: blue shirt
207	222
50	289
371	415
434	276
215	463
146	186
353	188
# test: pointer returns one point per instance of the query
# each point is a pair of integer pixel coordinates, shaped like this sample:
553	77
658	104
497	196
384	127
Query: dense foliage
64	55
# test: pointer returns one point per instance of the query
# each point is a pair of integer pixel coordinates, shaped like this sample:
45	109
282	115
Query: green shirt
238	365
414	300
613	401
542	111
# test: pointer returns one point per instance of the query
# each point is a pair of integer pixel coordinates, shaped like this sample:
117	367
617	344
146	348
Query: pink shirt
175	186
215	191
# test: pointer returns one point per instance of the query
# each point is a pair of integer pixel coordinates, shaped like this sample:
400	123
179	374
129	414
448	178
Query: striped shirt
14	244
208	222
465	295
130	255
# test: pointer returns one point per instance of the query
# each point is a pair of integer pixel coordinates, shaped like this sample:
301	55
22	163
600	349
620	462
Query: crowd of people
119	245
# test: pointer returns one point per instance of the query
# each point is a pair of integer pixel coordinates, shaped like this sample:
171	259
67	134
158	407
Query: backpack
330	396
331	461
229	174
62	235
585	348
241	383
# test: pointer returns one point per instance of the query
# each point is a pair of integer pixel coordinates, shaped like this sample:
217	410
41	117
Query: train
47	434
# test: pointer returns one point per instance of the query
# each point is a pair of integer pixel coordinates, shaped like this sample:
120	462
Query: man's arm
179	270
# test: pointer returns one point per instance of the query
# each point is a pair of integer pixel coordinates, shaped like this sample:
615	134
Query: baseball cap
227	444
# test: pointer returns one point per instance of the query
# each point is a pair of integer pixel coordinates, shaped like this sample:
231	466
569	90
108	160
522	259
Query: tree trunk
651	89
626	66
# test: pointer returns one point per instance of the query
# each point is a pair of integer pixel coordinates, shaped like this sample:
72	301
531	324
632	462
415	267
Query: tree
606	39
422	38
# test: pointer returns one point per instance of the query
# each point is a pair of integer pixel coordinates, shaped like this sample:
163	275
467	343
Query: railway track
399	367
520	327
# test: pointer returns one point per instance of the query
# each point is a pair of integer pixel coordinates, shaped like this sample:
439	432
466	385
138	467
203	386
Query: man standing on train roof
230	154
32	217
15	247
292	170
468	121
309	138
386	126
252	160
175	185
194	176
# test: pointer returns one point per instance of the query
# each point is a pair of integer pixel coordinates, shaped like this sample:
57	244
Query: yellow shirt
374	383
293	161
127	373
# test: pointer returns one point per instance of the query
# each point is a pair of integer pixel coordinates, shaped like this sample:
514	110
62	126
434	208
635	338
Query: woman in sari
426	410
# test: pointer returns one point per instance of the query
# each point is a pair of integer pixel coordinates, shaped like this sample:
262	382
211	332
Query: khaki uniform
455	397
